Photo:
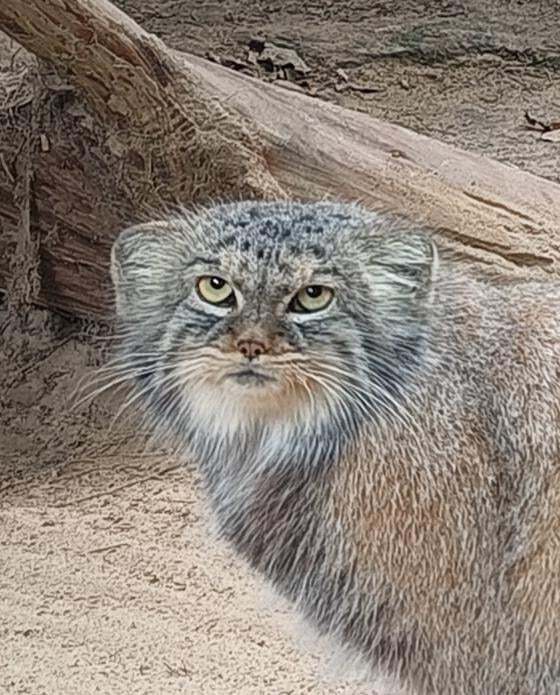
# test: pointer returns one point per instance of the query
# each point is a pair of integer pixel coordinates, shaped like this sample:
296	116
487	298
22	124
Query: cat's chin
247	397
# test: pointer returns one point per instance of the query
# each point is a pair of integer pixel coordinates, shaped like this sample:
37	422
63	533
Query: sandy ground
110	585
110	579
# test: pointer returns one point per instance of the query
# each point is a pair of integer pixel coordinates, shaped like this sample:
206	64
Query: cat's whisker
380	394
340	402
286	360
345	396
370	403
141	361
327	391
176	382
118	376
109	381
179	407
121	364
140	393
165	387
303	382
82	398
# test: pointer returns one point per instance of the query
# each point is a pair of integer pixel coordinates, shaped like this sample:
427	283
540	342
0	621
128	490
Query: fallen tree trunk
138	127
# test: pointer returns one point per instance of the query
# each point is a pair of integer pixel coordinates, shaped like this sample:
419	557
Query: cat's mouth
249	376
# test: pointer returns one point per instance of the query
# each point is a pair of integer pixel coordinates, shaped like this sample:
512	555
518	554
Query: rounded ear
405	265
144	261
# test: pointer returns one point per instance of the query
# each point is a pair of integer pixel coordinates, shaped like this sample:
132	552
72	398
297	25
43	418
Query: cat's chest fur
274	511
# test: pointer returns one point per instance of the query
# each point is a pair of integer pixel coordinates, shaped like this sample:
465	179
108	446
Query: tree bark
130	128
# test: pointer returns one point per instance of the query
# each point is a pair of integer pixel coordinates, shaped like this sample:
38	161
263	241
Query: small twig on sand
138	481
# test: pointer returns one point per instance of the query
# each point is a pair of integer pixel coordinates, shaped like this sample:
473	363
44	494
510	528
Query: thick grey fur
403	488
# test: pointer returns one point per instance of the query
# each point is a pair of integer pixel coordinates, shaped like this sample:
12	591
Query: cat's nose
251	349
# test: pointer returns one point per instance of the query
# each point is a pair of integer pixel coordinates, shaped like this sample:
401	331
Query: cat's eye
312	298
215	290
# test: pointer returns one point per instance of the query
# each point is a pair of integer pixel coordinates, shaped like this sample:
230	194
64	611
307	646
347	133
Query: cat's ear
406	265
144	263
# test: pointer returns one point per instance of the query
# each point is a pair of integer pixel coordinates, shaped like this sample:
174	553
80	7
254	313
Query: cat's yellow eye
215	290
312	298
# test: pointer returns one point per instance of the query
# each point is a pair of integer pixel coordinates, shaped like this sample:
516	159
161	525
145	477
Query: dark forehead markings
313	229
284	267
272	229
285	233
201	260
287	228
329	270
318	251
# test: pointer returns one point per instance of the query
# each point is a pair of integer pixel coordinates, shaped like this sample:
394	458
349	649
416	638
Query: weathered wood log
148	127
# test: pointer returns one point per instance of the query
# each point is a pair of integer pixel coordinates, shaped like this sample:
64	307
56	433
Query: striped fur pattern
394	470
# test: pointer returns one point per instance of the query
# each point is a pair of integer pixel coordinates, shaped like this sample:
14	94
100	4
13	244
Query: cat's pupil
217	283
314	291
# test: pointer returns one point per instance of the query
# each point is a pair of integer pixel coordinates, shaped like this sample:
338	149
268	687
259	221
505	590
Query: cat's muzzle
250	376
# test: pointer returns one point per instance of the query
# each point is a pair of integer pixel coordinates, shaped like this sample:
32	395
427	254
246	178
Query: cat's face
266	312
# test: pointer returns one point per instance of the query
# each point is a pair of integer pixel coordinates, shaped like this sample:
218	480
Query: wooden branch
162	127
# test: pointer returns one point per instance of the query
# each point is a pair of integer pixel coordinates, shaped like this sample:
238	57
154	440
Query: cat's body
390	461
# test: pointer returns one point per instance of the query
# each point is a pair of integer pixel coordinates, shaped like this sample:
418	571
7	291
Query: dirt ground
110	578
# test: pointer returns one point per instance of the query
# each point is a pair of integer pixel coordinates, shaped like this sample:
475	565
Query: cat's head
272	311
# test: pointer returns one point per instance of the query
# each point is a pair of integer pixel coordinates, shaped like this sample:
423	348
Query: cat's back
500	338
516	351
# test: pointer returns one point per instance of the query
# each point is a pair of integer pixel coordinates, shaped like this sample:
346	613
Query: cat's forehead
282	242
253	256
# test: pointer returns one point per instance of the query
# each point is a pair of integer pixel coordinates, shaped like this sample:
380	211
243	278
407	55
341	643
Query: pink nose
251	349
